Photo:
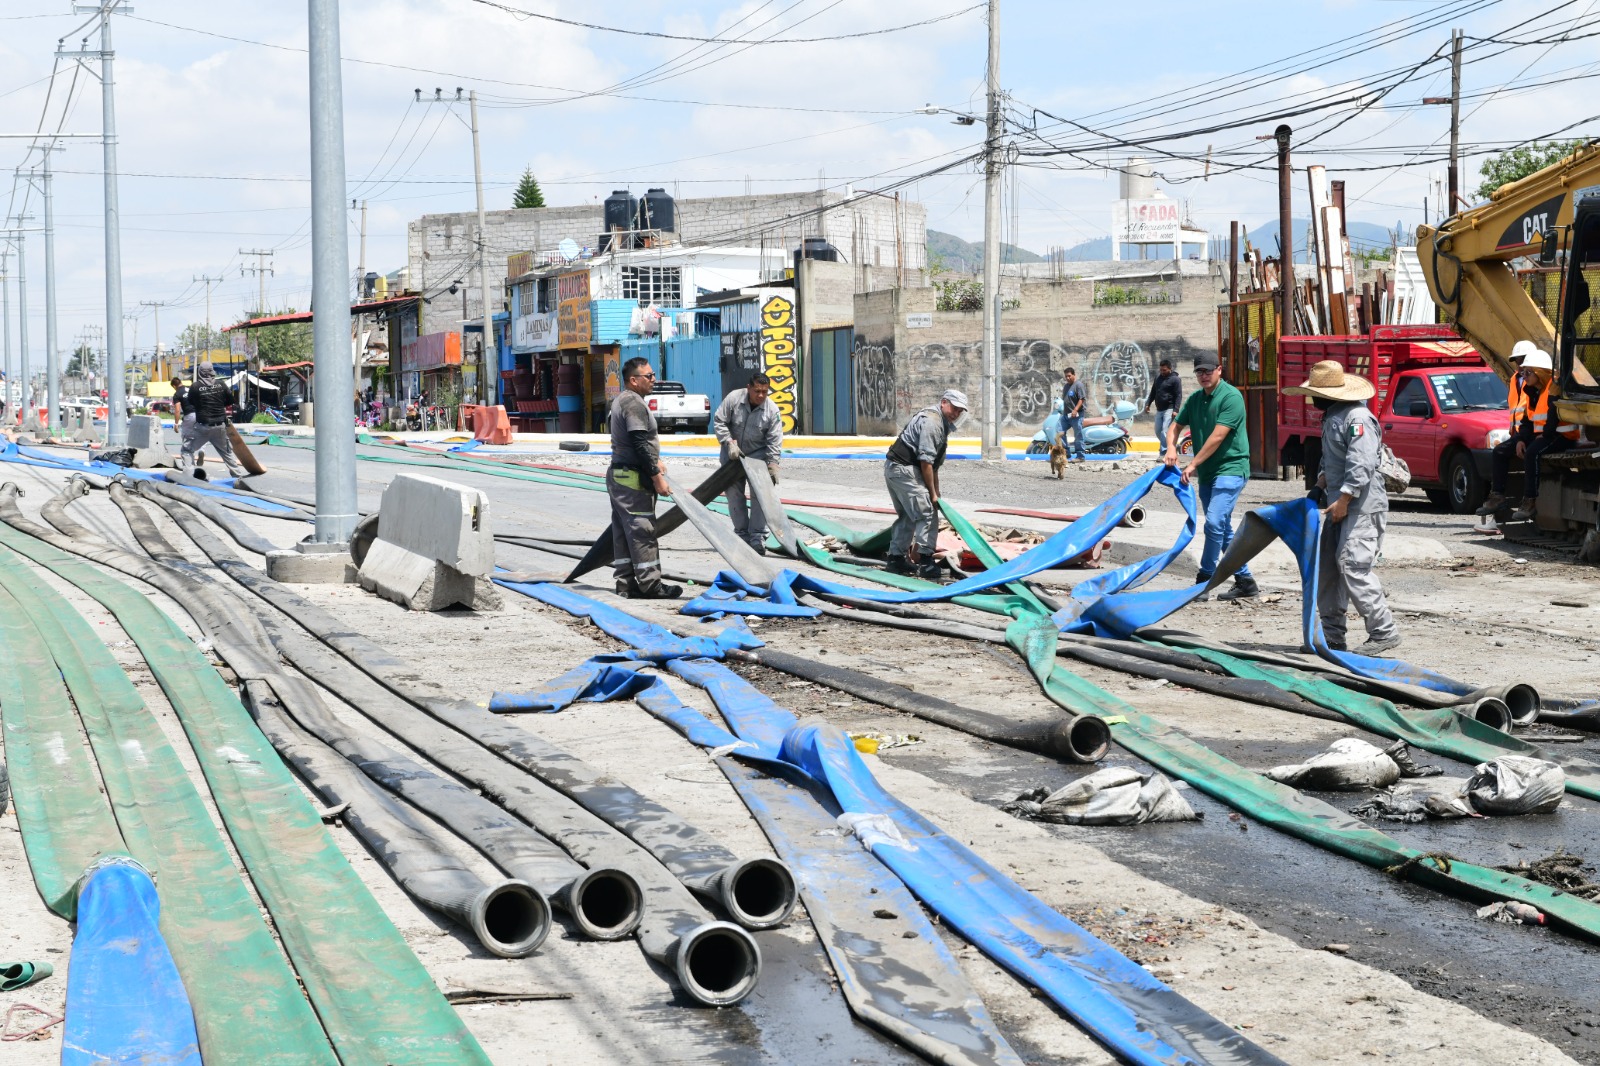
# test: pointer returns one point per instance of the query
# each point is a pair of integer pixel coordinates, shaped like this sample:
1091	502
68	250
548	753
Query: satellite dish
568	248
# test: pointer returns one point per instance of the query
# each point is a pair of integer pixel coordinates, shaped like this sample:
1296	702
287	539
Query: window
1413	390
526	291
1475	391
653	285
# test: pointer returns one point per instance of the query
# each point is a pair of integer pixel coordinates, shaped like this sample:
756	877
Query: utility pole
194	360
156	306
116	405
484	393
330	273
260	270
992	446
1457	39
5	308
1286	282
52	352
22	297
361	262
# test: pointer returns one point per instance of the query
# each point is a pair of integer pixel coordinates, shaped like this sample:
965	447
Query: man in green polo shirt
1214	415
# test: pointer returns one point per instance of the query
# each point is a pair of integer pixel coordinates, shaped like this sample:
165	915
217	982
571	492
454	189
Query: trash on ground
1117	795
1560	869
872	743
1511	912
1349	765
1509	785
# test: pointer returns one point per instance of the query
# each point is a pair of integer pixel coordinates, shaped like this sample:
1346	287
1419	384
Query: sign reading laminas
778	346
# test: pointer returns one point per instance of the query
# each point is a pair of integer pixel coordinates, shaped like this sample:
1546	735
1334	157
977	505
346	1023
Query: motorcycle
1102	434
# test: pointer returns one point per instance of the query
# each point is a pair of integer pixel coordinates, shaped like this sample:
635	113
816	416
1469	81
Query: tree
1519	162
288	343
528	193
194	338
81	363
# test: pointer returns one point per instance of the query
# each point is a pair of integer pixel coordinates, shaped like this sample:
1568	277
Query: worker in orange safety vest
1540	432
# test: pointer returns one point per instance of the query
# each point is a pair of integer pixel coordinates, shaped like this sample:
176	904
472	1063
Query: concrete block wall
442	248
1115	349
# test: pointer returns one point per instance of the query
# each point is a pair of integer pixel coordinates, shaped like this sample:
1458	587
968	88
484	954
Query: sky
211	109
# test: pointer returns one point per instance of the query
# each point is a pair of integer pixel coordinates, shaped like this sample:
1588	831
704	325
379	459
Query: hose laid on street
717	963
242	535
384	1011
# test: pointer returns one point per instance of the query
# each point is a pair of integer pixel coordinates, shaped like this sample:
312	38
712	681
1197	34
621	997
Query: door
1412	437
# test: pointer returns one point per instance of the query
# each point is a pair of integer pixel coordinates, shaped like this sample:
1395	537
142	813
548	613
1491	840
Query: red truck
1440	406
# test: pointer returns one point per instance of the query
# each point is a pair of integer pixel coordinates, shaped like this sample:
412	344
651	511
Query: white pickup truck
676	408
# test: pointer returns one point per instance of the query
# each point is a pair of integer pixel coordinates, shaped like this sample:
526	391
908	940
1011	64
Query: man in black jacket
1166	393
209	398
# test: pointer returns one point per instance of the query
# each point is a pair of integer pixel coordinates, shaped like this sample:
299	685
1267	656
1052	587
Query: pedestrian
749	425
1073	399
1357	507
1540	432
182	412
911	470
634	479
1214	416
1166	393
208	397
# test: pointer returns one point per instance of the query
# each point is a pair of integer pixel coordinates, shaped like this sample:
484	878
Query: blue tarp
125	1002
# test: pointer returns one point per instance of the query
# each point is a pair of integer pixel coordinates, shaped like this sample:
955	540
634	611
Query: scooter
1102	434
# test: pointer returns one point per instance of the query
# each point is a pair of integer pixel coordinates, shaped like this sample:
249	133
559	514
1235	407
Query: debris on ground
1117	795
1509	785
1511	912
1145	937
872	743
1349	765
1561	869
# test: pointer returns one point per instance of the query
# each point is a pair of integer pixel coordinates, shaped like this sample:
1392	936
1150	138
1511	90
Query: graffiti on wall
891	385
778	355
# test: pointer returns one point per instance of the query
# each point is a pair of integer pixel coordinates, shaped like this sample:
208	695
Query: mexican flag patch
1357	429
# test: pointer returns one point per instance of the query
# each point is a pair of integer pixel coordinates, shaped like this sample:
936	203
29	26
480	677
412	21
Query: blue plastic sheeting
1072	541
125	1002
596	681
1114	998
648	640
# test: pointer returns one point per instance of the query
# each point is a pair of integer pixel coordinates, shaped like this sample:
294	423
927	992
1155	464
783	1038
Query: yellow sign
778	345
572	310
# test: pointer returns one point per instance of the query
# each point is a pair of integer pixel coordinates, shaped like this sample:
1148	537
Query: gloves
734	454
772	468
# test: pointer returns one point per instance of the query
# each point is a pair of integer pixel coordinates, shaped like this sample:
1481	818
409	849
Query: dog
1058	458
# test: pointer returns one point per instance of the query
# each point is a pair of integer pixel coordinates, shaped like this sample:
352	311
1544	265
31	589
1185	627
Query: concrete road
1234	915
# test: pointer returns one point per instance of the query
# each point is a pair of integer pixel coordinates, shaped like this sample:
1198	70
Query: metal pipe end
1493	712
11	489
510	919
606	903
717	964
1134	518
1082	738
759	893
1524	702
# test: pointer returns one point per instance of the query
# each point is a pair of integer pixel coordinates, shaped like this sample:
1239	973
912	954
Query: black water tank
620	210
657	211
815	248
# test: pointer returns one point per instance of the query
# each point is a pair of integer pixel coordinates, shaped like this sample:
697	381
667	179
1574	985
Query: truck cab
1440	407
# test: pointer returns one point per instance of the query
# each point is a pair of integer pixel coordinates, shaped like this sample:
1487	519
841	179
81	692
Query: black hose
243	535
1078	738
716	962
705	492
233	502
511	918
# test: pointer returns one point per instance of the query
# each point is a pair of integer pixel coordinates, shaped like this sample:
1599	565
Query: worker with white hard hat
911	471
1540	432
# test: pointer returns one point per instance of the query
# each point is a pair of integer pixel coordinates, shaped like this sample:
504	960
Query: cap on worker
1329	381
1538	360
1522	349
1205	362
956	398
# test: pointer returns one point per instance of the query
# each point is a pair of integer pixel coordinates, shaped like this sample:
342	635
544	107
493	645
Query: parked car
1440	406
676	408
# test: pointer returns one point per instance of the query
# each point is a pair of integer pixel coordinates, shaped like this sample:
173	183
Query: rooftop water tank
620	210
657	211
815	248
1138	180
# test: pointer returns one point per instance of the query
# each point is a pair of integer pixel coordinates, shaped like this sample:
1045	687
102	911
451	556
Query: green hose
376	1001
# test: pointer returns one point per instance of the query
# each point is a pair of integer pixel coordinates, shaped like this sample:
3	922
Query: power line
523	14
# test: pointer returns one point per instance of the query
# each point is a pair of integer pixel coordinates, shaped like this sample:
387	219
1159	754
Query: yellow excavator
1467	262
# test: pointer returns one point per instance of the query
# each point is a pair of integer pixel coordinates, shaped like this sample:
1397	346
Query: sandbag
1516	784
1117	795
1349	765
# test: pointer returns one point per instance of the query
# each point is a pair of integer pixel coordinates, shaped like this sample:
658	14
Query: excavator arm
1466	261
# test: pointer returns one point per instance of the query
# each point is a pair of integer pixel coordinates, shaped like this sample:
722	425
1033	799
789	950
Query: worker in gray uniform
749	425
911	470
1356	511
634	479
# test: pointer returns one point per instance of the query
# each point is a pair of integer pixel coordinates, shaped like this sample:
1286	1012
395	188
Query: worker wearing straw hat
1357	508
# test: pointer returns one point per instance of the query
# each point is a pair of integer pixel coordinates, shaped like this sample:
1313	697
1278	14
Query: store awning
368	308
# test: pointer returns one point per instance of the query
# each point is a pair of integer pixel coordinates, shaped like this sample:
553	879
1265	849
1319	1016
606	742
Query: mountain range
967	256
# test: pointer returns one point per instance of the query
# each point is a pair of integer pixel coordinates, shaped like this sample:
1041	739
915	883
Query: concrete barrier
86	431
149	443
434	548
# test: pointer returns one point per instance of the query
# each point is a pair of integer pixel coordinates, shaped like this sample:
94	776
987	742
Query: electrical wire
522	14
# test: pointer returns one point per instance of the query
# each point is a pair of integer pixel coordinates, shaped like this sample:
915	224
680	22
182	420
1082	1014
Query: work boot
1379	645
931	572
757	541
1244	588
1526	511
1492	504
900	564
628	588
659	591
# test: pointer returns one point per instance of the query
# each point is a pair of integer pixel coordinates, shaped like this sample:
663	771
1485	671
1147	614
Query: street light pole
993	447
330	287
52	354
